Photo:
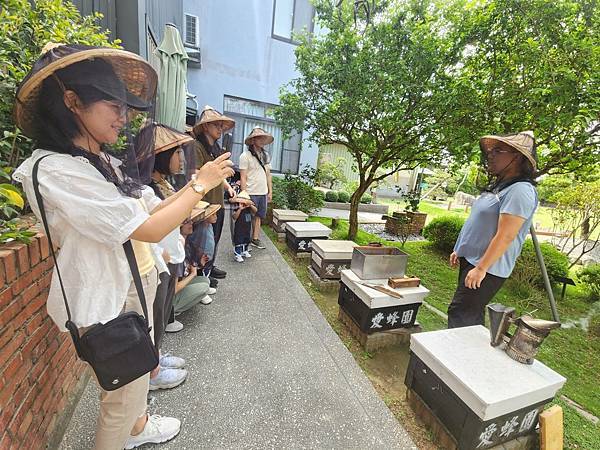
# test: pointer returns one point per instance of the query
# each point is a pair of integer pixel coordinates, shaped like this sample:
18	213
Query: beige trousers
119	409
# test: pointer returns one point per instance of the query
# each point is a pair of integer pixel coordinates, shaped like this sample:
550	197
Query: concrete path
363	217
265	371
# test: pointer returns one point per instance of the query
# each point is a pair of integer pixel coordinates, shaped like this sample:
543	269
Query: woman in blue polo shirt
493	235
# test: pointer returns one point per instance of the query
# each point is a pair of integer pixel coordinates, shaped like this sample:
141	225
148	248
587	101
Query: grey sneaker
168	378
257	243
158	429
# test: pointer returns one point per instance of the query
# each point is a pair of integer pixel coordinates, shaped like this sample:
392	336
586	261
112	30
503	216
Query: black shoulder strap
251	149
127	247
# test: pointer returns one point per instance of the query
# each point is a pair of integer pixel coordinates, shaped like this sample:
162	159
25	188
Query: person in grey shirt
492	237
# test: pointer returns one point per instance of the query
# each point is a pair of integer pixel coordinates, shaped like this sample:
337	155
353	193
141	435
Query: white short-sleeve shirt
256	181
89	220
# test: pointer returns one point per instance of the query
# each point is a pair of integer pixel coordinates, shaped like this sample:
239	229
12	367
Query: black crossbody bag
120	350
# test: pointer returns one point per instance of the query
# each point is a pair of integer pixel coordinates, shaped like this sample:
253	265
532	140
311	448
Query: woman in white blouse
75	102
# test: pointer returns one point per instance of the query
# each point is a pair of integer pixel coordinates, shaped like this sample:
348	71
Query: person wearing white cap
492	237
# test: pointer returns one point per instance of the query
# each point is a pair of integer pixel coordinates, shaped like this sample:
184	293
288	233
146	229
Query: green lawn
542	218
572	352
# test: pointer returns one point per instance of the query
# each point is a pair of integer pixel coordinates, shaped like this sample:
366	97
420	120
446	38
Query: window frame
269	120
290	40
196	44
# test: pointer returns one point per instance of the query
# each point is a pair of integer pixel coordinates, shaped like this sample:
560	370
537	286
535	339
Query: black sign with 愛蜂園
372	320
300	244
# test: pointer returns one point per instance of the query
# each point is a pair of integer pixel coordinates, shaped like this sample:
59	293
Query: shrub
25	27
527	269
279	193
590	276
292	192
443	232
331	196
343	197
366	198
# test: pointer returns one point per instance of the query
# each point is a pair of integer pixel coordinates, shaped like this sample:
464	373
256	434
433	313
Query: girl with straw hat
208	130
255	177
492	237
75	103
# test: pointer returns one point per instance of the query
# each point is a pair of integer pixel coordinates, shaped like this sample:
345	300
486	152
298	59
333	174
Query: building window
291	16
191	30
285	153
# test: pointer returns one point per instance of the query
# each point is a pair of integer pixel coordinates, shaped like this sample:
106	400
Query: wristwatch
198	187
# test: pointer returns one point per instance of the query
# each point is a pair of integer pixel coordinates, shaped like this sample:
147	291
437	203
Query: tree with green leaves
25	27
535	65
408	83
382	82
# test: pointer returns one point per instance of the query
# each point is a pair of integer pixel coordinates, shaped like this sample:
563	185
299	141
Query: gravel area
379	230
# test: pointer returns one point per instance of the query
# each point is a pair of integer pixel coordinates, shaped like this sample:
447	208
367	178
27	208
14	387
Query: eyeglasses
119	107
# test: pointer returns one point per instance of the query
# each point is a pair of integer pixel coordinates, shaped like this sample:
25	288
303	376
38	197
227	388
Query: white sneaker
168	361
238	257
174	327
211	291
206	300
158	429
246	254
168	379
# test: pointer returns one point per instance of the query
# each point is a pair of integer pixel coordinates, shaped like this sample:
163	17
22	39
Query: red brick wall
38	365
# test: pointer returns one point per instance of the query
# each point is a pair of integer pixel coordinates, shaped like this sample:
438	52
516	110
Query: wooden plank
404	282
551	428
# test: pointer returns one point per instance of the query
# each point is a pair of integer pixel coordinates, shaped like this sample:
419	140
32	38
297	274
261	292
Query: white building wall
240	58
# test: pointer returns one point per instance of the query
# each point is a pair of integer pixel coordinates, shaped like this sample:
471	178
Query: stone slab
334	249
376	299
489	382
288	215
307	229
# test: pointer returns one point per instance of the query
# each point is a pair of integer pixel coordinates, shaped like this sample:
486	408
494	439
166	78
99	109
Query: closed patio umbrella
172	82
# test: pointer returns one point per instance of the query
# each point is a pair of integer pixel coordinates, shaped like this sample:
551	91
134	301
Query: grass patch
571	352
542	217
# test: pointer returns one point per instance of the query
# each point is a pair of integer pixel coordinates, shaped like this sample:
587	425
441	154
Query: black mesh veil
117	86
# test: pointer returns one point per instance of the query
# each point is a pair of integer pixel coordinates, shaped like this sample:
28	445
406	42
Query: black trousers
468	305
217	230
163	303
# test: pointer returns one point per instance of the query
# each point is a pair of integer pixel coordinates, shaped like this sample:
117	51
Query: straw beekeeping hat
522	142
166	138
203	210
258	132
209	114
135	82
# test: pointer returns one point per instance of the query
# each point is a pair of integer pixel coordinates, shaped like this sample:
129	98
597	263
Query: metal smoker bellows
524	344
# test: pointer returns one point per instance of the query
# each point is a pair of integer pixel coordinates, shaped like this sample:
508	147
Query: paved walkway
265	371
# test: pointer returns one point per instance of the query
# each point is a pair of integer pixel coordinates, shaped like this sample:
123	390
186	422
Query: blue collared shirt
519	199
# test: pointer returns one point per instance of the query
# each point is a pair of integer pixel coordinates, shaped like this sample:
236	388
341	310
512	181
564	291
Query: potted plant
417	219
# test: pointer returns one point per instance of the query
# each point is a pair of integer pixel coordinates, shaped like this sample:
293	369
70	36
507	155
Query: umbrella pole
548	286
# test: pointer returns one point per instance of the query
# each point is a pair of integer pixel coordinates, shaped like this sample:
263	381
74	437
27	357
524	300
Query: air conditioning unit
194	57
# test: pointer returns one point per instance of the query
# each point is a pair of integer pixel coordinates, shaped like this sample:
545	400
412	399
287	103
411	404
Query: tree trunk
354	202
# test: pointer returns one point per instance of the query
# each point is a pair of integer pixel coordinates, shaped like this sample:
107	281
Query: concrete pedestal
481	396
